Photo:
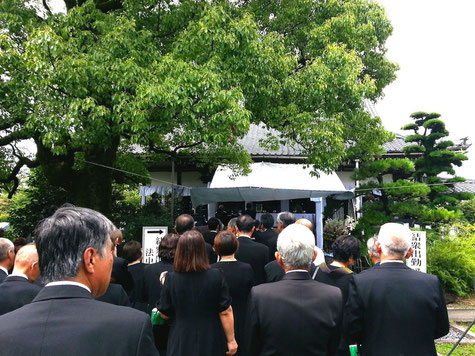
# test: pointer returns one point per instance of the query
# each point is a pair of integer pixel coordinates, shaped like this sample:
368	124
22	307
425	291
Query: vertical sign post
151	237
418	260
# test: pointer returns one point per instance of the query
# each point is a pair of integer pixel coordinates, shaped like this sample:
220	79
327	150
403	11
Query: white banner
151	237
418	259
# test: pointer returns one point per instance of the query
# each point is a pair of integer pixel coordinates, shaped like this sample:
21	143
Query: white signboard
151	237
418	259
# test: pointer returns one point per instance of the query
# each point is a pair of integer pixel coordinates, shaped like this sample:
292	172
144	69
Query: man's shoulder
309	285
18	283
394	271
96	310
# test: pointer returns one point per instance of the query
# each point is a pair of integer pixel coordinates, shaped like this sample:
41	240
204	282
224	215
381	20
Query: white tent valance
268	181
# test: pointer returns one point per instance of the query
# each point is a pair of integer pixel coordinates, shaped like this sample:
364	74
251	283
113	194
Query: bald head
306	223
26	262
184	223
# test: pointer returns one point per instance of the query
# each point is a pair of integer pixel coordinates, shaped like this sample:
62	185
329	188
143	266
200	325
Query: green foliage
3	208
186	79
461	350
452	259
468	210
33	204
376	169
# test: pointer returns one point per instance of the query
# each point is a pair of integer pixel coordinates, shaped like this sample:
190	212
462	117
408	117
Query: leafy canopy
186	78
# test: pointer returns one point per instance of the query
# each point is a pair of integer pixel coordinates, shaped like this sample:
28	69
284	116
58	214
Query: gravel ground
453	336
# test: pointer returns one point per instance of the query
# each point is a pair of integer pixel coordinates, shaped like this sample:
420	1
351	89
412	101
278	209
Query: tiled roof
466	187
396	145
258	132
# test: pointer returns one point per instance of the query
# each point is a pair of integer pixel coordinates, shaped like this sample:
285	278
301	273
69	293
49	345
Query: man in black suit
185	223
18	288
249	251
75	255
214	226
297	315
391	309
7	257
273	271
268	236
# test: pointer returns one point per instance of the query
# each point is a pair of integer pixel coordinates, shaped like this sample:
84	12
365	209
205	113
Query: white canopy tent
269	181
274	181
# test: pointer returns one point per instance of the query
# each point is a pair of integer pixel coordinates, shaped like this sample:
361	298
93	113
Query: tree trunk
90	186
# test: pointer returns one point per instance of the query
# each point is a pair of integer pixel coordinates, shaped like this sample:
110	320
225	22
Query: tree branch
14	136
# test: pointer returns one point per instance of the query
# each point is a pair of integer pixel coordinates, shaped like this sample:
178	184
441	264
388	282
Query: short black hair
132	251
184	223
344	247
213	223
225	243
267	220
245	223
62	239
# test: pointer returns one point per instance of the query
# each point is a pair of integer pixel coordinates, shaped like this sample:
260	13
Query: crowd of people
241	289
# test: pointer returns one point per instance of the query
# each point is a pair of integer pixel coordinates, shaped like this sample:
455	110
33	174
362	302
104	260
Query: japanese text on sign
151	237
418	259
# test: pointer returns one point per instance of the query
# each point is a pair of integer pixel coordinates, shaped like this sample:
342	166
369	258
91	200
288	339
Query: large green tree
175	78
434	154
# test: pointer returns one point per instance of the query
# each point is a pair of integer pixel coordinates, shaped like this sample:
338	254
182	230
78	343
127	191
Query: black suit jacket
121	275
67	321
393	310
296	316
153	286
15	292
273	272
209	237
3	275
255	254
115	294
212	256
268	238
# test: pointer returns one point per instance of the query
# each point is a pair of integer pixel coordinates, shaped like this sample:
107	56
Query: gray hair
232	223
371	244
395	239
5	247
62	239
296	245
285	218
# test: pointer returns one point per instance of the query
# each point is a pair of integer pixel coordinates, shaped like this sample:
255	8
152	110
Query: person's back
296	315
408	311
72	323
115	294
15	292
302	316
194	299
75	258
391	309
251	252
18	288
197	299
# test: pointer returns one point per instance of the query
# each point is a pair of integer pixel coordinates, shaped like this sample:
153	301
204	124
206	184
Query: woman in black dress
239	277
153	287
197	299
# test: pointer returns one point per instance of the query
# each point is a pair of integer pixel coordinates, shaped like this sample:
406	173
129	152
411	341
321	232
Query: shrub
468	210
452	259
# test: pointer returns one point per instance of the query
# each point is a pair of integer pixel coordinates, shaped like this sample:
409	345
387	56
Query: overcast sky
433	43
